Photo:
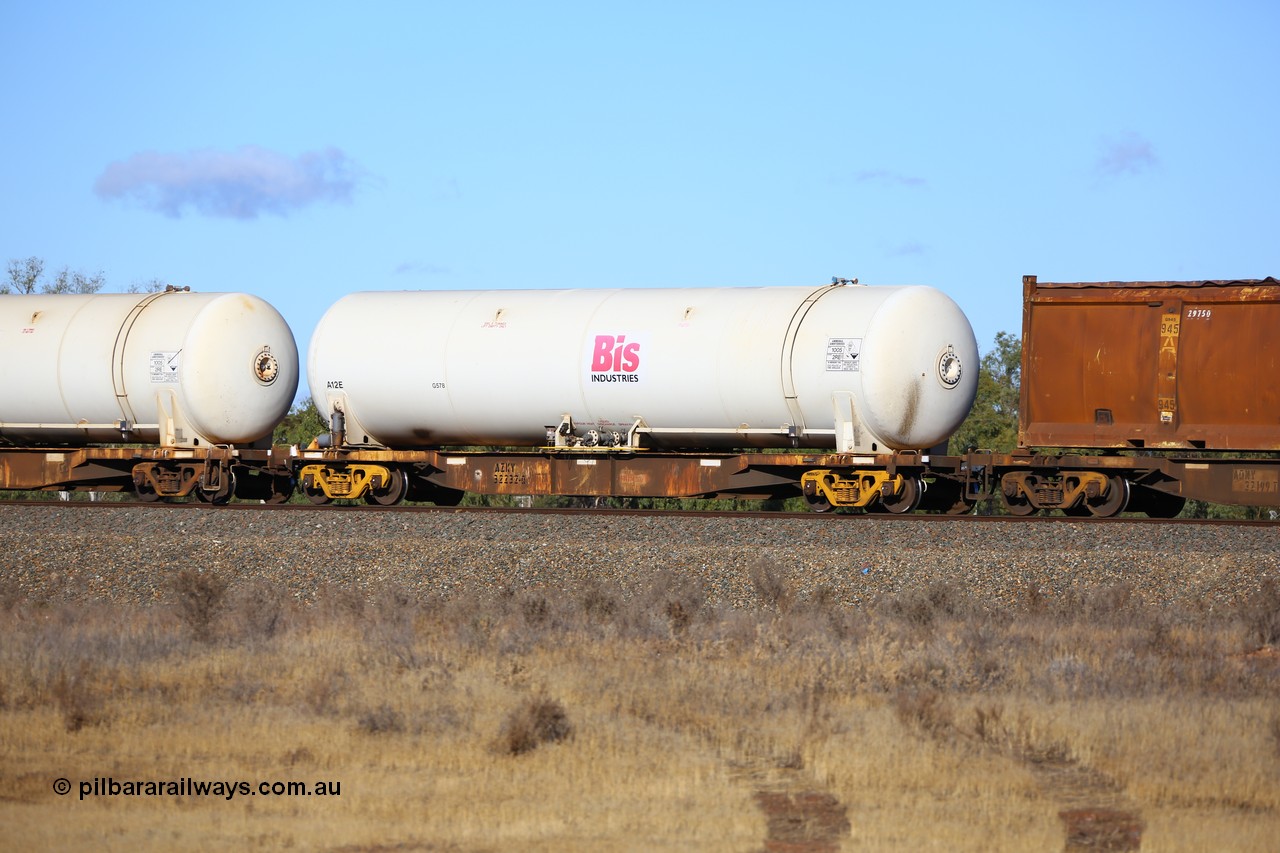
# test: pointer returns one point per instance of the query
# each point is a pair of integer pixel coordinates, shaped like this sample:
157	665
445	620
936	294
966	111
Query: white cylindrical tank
173	368
851	367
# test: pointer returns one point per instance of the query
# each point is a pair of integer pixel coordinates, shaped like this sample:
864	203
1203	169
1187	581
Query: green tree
155	285
1204	509
301	425
26	276
67	281
992	423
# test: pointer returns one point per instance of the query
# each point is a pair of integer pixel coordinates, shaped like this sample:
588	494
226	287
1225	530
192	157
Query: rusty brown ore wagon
1140	395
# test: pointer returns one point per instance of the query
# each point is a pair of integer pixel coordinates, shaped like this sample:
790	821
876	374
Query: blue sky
304	151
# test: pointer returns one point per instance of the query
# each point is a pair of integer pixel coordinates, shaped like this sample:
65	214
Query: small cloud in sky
908	249
1126	155
447	190
239	184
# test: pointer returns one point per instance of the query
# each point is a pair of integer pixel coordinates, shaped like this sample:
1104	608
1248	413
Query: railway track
826	517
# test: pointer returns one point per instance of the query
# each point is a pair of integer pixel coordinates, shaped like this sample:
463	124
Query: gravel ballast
127	554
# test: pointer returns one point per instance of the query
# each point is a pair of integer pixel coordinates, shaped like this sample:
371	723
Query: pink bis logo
615	354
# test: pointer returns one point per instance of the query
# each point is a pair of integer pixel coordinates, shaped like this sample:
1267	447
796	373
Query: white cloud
909	249
239	184
1127	155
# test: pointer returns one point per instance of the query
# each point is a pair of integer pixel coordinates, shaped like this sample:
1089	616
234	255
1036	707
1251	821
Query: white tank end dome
240	369
921	368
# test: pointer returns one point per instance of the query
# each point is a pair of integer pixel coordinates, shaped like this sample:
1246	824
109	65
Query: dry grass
549	720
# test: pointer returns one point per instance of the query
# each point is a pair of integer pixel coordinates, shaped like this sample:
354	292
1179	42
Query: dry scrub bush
77	694
390	625
382	720
199	598
669	606
600	601
926	710
1262	614
923	608
259	610
535	721
770	584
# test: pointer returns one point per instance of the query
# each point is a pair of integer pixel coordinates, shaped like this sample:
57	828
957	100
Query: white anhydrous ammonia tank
856	368
173	368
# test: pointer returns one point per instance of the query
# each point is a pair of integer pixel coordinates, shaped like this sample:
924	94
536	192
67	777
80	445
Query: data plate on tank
164	367
842	354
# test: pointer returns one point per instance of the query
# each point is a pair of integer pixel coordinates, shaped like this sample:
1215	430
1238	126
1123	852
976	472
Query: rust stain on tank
911	412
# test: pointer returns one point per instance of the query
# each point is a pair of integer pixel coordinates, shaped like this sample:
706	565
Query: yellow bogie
346	482
825	488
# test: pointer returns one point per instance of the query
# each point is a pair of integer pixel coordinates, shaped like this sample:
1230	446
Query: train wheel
222	495
144	492
281	490
818	503
908	500
813	494
1017	504
1114	501
394	492
316	496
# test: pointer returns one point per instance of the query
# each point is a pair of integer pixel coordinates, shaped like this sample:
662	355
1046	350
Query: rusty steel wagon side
1140	395
1191	365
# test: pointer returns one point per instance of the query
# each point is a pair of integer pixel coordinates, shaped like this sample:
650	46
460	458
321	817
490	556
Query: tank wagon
163	393
639	392
1136	396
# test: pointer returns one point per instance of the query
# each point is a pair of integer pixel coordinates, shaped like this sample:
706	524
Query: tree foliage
24	276
993	421
154	285
303	423
27	276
